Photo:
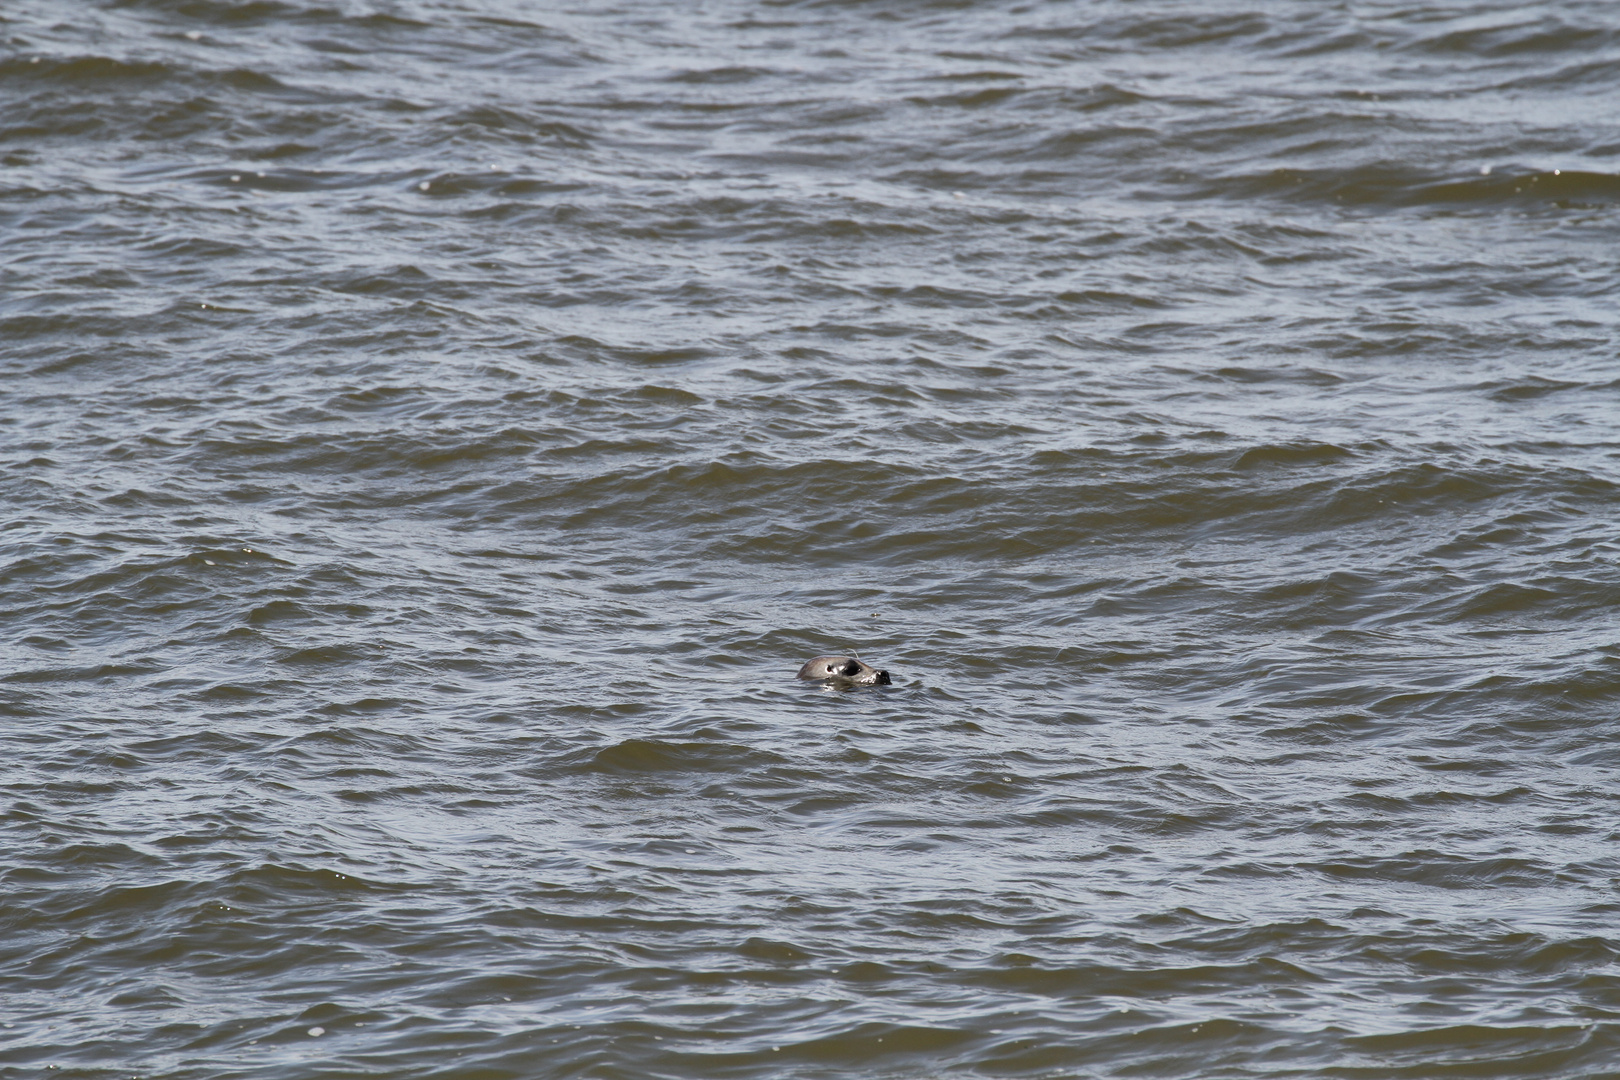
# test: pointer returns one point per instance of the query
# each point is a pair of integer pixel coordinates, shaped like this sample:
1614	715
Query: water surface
432	434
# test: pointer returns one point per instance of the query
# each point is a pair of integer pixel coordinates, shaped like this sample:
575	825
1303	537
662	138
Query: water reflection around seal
434	432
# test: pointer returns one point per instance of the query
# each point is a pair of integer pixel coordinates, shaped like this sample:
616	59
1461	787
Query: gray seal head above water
843	671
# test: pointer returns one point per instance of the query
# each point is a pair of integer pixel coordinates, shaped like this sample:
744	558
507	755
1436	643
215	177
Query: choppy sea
434	432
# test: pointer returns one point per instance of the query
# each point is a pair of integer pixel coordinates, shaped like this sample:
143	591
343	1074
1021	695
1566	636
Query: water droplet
423	185
317	1032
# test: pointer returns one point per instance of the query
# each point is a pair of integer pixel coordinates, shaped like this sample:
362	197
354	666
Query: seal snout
844	671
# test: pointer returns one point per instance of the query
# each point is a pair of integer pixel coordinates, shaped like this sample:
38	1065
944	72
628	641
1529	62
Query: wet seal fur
843	671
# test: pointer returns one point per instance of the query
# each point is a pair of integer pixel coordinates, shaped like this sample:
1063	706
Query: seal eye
852	668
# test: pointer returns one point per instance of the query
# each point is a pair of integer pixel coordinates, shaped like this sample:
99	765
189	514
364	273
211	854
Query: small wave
1442	870
1550	35
518	126
1389	185
1528	389
1563	188
658	756
723	76
85	70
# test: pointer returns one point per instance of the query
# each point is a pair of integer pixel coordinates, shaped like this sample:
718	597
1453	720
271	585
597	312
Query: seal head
843	671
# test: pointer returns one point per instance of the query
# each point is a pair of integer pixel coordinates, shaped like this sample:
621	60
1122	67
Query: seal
843	671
